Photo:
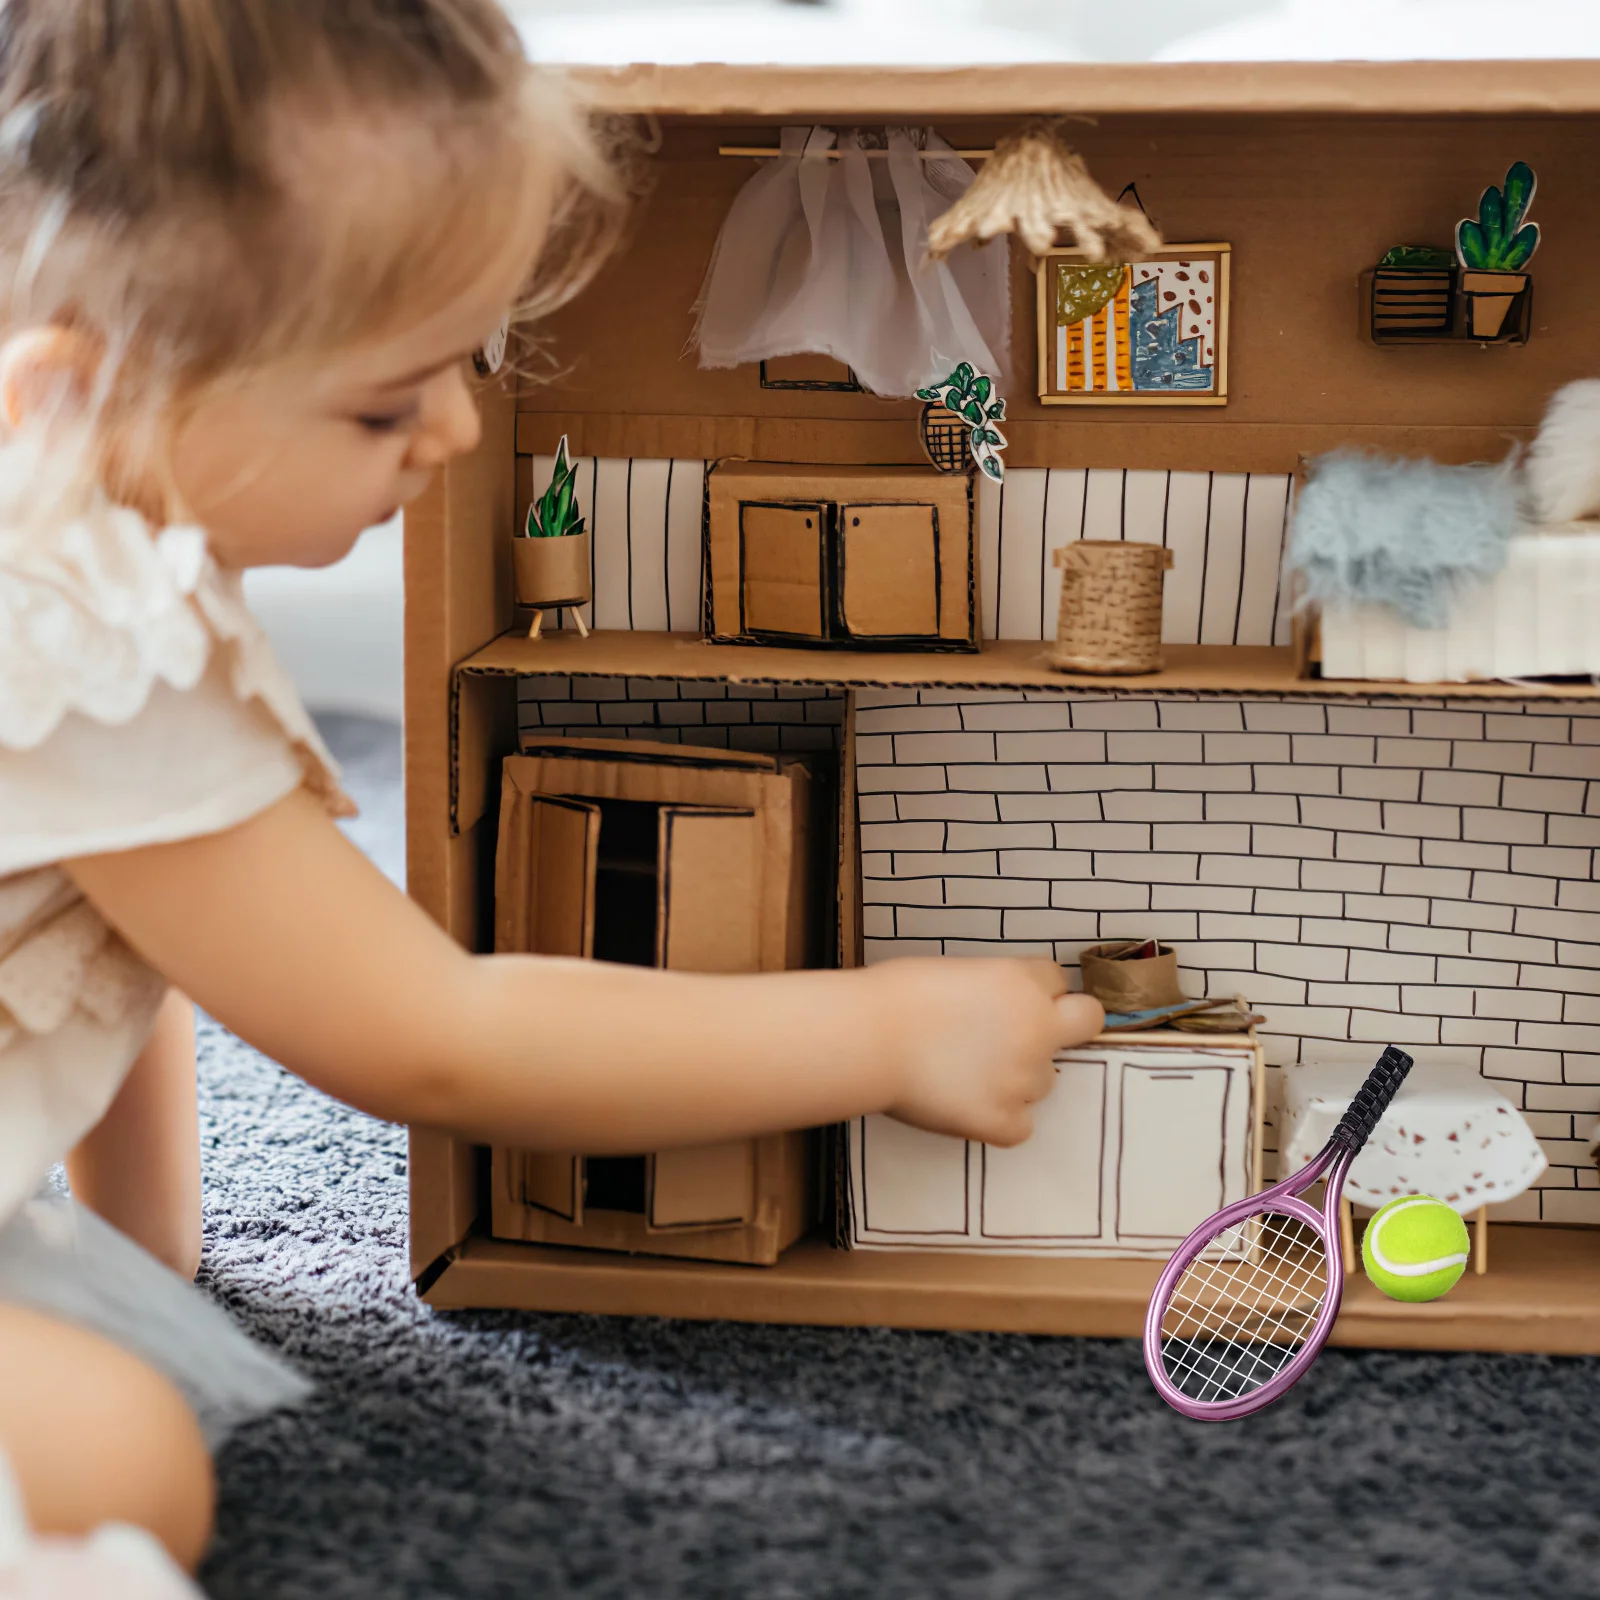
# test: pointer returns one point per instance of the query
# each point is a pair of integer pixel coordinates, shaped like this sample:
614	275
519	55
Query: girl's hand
978	1040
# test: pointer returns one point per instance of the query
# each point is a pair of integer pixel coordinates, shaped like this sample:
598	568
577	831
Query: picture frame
1149	332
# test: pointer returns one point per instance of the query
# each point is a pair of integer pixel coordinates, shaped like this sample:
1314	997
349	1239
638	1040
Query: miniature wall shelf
1399	308
1002	664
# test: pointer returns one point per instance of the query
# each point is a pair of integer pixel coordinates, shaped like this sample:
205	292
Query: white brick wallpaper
1363	873
1225	531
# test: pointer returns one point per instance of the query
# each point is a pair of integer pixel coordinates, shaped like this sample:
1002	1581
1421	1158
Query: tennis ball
1415	1248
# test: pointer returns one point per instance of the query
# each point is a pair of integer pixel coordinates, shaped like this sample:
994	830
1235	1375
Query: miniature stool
1448	1134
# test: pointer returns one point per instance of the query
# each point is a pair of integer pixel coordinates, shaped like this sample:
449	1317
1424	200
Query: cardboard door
1049	1187
708	920
889	571
1172	1156
782	570
545	906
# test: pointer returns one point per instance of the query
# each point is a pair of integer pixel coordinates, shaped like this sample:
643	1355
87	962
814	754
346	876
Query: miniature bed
1367	861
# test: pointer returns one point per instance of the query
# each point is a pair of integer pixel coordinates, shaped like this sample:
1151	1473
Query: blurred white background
339	629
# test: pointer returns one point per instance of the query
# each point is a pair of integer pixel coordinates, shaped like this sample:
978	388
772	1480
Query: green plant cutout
1082	290
971	395
1500	240
1417	258
555	515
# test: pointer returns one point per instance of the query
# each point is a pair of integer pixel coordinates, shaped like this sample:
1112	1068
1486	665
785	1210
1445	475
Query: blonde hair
167	177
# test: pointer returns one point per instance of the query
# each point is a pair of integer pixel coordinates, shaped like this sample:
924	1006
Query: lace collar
97	607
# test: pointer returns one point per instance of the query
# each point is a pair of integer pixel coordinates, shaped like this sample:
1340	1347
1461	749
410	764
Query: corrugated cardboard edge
1340	88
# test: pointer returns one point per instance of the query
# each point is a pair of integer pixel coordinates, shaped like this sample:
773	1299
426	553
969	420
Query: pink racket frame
1333	1162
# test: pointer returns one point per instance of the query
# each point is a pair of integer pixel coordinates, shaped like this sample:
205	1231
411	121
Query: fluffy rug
477	1457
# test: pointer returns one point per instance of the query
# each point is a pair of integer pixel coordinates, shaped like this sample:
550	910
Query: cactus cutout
1500	240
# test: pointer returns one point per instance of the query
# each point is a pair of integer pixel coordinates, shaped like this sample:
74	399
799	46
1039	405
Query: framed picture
1153	332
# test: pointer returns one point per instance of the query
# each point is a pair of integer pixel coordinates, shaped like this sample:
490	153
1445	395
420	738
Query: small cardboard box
858	557
667	856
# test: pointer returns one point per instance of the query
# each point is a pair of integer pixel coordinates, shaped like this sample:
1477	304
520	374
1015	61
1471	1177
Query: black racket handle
1372	1100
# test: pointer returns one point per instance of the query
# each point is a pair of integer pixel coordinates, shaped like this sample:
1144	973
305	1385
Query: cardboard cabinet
1136	1144
658	855
861	557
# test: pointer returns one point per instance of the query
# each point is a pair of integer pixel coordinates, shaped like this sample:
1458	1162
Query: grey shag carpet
487	1457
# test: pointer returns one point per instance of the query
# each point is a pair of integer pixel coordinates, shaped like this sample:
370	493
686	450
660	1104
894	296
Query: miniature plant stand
551	557
1448	1134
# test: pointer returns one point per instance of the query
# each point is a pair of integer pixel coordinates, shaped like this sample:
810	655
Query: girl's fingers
1078	1017
1049	975
1006	1131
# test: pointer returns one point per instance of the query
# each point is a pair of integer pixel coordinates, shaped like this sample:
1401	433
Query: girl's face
289	466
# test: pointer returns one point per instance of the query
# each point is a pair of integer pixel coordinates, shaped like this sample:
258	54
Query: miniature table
1448	1134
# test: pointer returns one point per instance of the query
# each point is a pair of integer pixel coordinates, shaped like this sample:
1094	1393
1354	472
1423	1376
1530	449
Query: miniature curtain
828	254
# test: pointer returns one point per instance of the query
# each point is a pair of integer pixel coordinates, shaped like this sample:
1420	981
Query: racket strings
1244	1307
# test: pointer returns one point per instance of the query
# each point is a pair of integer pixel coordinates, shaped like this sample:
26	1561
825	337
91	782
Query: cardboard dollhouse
874	764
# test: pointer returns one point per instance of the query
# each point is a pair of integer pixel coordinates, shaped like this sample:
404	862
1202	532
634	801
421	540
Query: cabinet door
909	1183
783	570
708	920
889	571
544	905
1172	1157
1049	1188
545	876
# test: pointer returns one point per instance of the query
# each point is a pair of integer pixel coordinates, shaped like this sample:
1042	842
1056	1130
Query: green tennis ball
1415	1248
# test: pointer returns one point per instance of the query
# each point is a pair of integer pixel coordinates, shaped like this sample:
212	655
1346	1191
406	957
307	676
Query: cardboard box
657	855
1143	1137
862	557
1275	158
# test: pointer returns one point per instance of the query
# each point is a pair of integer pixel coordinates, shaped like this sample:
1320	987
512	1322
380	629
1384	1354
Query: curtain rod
769	152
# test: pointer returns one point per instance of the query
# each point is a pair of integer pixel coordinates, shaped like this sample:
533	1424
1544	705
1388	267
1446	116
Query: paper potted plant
1413	293
1494	249
960	416
551	554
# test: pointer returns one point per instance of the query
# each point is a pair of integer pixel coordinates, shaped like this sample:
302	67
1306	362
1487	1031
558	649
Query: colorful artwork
1152	332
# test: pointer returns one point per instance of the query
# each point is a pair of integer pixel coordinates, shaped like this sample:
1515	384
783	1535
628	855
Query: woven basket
944	437
1110	618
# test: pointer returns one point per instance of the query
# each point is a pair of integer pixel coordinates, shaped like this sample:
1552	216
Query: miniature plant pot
1489	297
1412	300
552	572
944	437
1110	617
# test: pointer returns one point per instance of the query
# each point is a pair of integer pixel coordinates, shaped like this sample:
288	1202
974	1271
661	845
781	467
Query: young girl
248	249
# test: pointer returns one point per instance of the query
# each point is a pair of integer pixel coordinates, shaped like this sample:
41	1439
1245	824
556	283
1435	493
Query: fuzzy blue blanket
1403	533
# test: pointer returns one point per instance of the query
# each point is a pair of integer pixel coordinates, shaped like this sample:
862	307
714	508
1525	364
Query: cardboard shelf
1006	664
1540	1294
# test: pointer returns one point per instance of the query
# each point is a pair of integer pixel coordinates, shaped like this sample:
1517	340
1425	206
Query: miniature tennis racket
1250	1297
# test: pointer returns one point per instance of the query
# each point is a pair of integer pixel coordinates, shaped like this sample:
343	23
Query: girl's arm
139	1167
284	932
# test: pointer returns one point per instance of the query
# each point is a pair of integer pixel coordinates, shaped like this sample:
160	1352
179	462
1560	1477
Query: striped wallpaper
1225	530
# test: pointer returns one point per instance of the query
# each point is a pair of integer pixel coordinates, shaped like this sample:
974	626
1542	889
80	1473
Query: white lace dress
139	704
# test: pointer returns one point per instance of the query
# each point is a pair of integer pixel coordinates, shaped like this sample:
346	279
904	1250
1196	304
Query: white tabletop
1448	1134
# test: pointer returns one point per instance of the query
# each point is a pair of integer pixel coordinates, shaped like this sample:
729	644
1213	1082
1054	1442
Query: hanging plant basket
944	437
960	418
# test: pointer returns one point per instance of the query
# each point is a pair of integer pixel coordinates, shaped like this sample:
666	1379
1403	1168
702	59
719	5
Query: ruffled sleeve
140	702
